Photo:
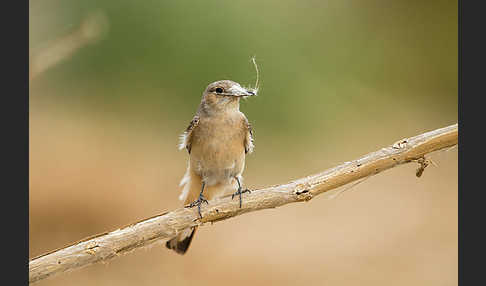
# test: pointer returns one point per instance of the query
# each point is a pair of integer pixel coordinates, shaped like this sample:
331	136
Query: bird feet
198	203
239	192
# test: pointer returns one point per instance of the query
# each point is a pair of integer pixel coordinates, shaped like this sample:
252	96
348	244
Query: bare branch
165	226
90	30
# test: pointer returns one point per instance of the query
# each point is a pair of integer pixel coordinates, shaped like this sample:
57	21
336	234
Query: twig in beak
255	89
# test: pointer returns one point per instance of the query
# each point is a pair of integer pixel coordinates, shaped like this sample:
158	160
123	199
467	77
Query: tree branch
93	27
165	226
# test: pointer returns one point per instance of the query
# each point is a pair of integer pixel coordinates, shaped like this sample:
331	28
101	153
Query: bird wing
249	137
185	138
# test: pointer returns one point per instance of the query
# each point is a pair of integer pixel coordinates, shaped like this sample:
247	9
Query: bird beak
238	91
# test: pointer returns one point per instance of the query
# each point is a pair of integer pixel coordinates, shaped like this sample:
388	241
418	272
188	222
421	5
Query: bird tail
190	192
181	242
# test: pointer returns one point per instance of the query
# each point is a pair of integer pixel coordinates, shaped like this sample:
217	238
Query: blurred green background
113	84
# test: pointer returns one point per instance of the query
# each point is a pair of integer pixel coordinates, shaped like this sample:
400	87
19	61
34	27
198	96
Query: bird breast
218	151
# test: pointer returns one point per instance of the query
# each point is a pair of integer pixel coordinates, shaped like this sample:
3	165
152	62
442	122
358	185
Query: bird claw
198	203
239	192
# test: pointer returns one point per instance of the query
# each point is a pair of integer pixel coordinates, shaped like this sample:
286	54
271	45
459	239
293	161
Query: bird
217	140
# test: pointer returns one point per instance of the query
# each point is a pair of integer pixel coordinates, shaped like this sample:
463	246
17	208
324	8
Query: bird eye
219	90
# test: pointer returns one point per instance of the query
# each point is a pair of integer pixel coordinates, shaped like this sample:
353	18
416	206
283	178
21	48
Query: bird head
224	95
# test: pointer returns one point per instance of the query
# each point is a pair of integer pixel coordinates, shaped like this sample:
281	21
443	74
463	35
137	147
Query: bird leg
240	191
199	201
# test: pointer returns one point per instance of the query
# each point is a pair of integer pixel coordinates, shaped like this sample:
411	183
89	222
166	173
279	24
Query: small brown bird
217	140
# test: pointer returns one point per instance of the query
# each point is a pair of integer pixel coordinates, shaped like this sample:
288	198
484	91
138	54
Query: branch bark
165	226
